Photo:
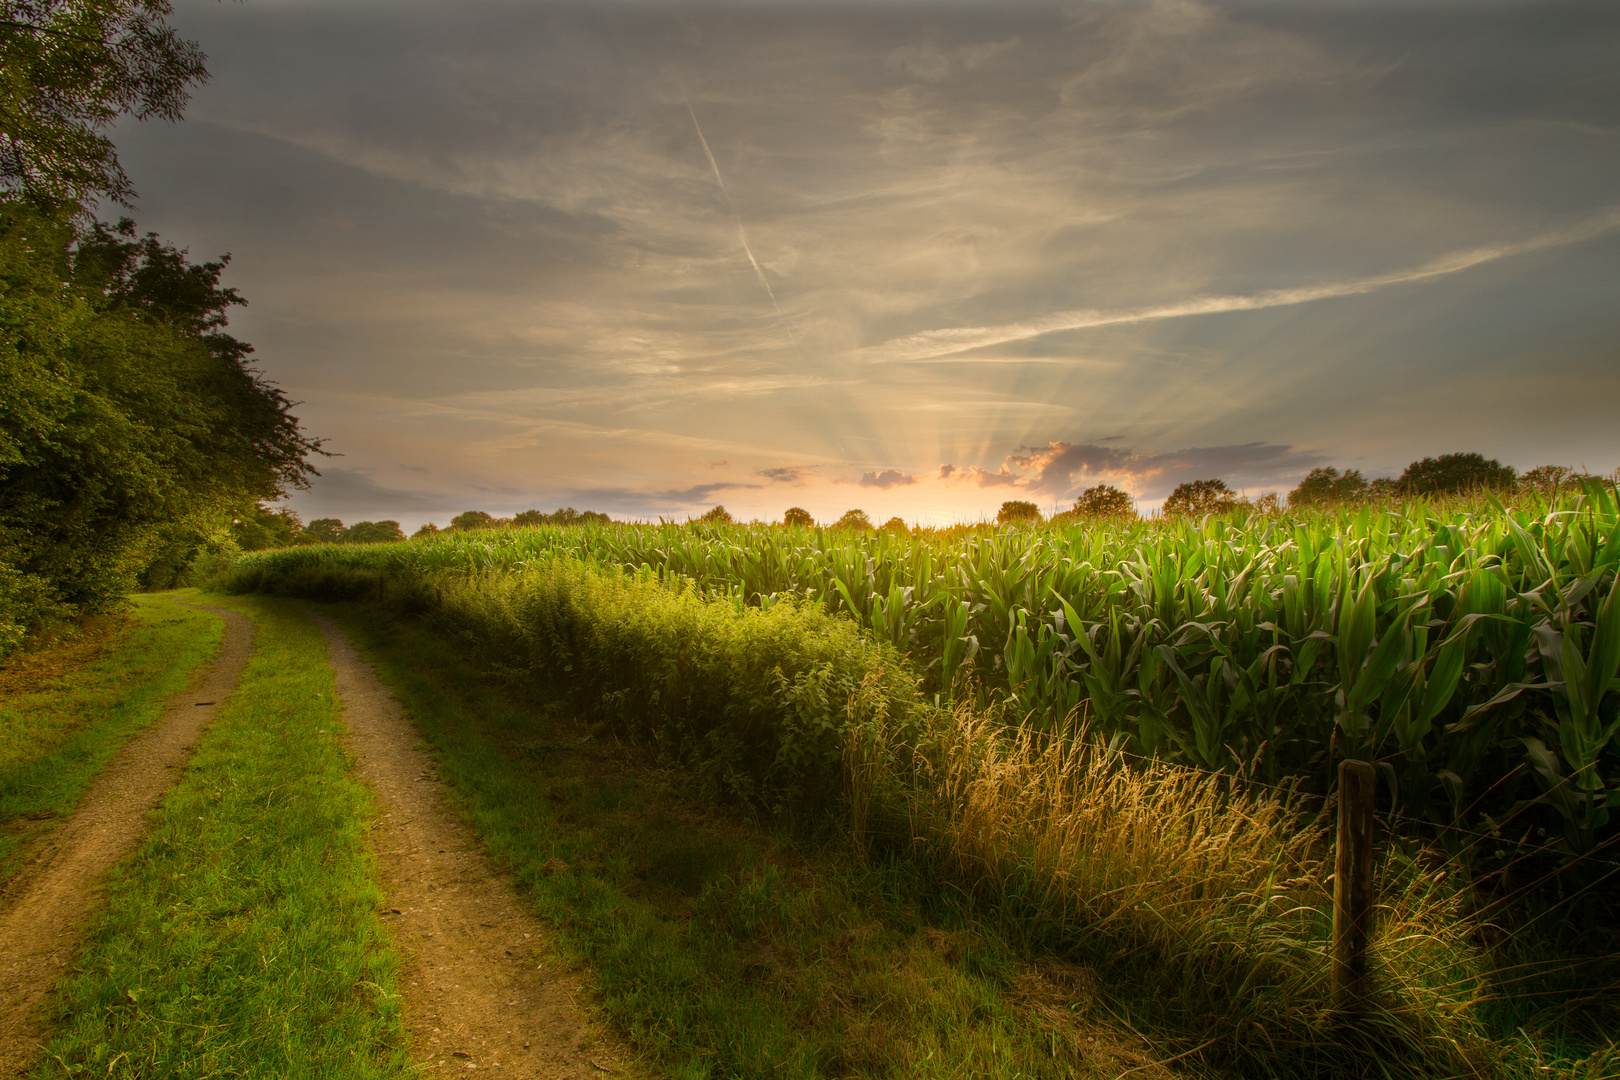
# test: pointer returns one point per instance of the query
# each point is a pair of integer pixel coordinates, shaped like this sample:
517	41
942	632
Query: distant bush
854	519
1199	497
471	519
718	516
797	515
895	525
1104	501
1449	474
1016	512
373	532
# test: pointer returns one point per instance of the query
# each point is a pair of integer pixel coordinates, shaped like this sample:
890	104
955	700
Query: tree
1549	478
68	70
427	529
798	515
132	430
1199	497
131	427
471	519
895	525
1104	501
1015	512
718	516
1328	485
326	531
261	527
1449	474
374	532
530	518
854	520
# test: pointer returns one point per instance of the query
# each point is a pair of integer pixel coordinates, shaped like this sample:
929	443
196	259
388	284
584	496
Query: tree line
133	427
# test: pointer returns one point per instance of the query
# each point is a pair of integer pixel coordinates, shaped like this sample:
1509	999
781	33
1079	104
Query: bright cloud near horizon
918	259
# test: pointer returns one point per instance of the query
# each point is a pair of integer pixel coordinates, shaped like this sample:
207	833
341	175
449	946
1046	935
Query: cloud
1062	469
787	474
352	495
886	479
930	344
1002	477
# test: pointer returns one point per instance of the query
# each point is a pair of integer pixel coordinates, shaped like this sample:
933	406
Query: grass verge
66	710
726	947
243	939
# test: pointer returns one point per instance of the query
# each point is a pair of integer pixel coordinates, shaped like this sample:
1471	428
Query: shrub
1016	512
1198	497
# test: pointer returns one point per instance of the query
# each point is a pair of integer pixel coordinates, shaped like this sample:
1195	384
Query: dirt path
480	992
45	907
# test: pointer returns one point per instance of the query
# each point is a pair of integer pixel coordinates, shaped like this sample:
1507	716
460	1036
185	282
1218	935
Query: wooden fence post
1353	883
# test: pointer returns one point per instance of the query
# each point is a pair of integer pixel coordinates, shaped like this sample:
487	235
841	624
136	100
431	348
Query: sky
913	258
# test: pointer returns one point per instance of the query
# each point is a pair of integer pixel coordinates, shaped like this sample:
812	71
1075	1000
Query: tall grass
1469	647
1203	895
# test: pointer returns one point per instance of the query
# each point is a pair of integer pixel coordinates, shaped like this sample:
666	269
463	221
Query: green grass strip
724	947
242	940
54	740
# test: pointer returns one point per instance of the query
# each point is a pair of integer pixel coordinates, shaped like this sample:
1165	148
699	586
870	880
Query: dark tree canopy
1197	497
797	515
373	532
718	516
854	520
1449	474
326	531
1328	485
472	519
68	70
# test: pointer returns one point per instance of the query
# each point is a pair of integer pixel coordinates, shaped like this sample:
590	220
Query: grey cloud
1062	468
885	479
352	495
786	474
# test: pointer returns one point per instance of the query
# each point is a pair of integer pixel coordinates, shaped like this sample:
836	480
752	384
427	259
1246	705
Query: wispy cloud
943	342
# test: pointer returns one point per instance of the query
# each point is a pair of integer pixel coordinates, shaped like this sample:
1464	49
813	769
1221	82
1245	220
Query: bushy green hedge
767	705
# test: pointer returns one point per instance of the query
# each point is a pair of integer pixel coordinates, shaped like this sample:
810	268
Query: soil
45	908
482	988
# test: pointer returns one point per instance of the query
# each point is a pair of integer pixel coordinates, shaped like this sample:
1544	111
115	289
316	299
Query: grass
725	946
243	939
67	707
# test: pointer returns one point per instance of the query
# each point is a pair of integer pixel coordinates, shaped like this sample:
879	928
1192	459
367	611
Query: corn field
1469	648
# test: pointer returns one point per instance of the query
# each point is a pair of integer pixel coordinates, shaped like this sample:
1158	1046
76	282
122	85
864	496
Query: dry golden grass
1221	888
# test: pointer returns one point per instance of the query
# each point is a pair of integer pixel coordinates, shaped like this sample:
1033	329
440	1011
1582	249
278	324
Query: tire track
479	993
45	908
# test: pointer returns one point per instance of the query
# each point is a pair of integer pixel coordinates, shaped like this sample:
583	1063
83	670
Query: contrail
931	344
742	234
